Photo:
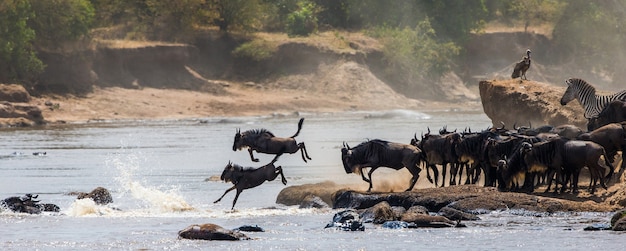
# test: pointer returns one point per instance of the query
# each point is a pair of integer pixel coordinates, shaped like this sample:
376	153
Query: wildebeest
611	136
440	150
522	66
249	177
614	112
496	149
579	154
380	153
561	157
27	204
263	141
530	159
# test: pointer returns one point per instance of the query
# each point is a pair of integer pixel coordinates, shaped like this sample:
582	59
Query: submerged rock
348	220
249	228
313	201
210	232
454	214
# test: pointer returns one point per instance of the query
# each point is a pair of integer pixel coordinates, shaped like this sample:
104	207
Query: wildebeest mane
370	148
254	133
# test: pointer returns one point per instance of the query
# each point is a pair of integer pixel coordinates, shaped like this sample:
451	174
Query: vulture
522	66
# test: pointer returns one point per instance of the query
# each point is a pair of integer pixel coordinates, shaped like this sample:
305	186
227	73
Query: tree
241	14
593	34
18	62
58	21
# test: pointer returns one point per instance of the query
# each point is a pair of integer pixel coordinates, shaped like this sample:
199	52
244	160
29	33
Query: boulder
457	215
347	220
249	228
379	213
14	93
210	232
313	201
295	195
426	220
620	225
617	216
523	102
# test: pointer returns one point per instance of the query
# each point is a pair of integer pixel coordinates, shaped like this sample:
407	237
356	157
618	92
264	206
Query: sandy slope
347	86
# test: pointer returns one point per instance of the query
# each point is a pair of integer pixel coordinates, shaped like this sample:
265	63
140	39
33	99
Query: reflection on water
157	171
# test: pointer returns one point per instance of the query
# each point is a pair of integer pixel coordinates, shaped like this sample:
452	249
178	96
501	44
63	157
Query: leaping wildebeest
263	141
249	177
380	153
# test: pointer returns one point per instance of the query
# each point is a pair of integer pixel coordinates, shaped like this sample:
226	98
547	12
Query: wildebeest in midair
263	141
380	153
249	177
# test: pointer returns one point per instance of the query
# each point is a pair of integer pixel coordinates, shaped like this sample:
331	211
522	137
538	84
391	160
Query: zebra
586	95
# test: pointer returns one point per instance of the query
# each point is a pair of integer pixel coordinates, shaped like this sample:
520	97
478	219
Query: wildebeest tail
299	128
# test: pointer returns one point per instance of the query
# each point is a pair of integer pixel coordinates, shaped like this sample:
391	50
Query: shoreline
120	104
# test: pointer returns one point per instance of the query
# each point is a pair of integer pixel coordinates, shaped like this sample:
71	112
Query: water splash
87	207
158	201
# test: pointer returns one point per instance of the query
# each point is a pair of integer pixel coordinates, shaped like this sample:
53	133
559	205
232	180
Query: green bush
256	50
59	21
415	54
303	21
18	62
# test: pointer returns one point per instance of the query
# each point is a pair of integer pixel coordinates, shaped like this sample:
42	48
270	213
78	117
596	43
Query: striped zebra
586	95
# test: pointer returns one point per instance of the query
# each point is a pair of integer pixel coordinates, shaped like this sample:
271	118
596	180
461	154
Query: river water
158	173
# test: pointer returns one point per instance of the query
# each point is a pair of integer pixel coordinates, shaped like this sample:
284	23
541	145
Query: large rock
466	198
296	195
379	213
523	102
14	108
14	93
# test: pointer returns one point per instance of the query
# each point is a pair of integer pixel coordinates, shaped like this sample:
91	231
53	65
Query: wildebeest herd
516	159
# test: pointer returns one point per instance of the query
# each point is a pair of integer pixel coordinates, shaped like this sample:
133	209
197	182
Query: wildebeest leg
416	174
279	170
252	156
227	190
369	174
303	151
236	197
435	174
444	167
454	169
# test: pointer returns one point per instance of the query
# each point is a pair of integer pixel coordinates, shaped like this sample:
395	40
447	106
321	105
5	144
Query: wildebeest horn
502	123
428	129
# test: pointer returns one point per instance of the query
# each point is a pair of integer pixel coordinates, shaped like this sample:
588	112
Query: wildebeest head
346	158
238	142
227	174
